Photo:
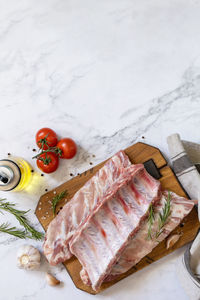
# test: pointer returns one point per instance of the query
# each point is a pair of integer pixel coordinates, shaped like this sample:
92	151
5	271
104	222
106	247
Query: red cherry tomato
46	137
68	148
48	162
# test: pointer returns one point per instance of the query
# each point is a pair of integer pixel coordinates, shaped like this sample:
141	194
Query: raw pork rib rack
102	239
79	208
106	220
139	246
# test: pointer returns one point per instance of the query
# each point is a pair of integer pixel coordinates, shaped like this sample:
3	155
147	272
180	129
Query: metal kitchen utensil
186	263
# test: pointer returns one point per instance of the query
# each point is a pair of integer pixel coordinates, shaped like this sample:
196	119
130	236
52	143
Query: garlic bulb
28	257
51	280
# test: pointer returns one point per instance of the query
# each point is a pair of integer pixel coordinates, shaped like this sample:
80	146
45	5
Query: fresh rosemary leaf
164	215
36	235
57	199
150	221
20	215
4	227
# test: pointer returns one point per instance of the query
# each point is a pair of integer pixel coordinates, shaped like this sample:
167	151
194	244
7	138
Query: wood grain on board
138	153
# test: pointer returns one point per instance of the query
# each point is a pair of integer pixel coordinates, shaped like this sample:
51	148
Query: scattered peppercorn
46	190
91	163
181	225
34	150
143	137
78	173
42	174
71	174
32	171
93	155
9	154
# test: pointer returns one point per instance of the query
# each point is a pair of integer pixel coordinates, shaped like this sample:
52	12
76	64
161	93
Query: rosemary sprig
20	215
151	219
57	199
164	215
4	227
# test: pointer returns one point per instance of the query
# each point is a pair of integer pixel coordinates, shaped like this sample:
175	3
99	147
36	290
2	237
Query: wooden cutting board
138	153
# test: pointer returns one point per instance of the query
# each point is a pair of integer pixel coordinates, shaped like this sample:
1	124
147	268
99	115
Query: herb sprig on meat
57	199
164	215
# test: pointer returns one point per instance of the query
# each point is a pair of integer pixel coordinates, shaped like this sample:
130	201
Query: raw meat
106	233
76	211
140	246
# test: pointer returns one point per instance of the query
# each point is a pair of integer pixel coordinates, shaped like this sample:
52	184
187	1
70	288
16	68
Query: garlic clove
51	280
28	257
172	239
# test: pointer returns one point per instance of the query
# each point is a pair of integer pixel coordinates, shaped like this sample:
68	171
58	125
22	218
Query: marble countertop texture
105	73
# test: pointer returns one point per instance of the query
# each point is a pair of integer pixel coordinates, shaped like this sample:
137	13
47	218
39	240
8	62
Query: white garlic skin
172	239
28	257
51	280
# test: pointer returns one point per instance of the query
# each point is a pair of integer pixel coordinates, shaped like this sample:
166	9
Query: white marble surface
105	73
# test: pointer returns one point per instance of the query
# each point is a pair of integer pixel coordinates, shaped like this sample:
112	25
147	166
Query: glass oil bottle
15	174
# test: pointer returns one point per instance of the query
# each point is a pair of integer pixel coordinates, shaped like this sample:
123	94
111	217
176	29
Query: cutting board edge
150	146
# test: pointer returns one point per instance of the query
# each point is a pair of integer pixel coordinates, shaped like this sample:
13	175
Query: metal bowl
186	262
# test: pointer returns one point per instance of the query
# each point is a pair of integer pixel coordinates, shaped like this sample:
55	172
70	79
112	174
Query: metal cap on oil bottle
10	175
15	174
